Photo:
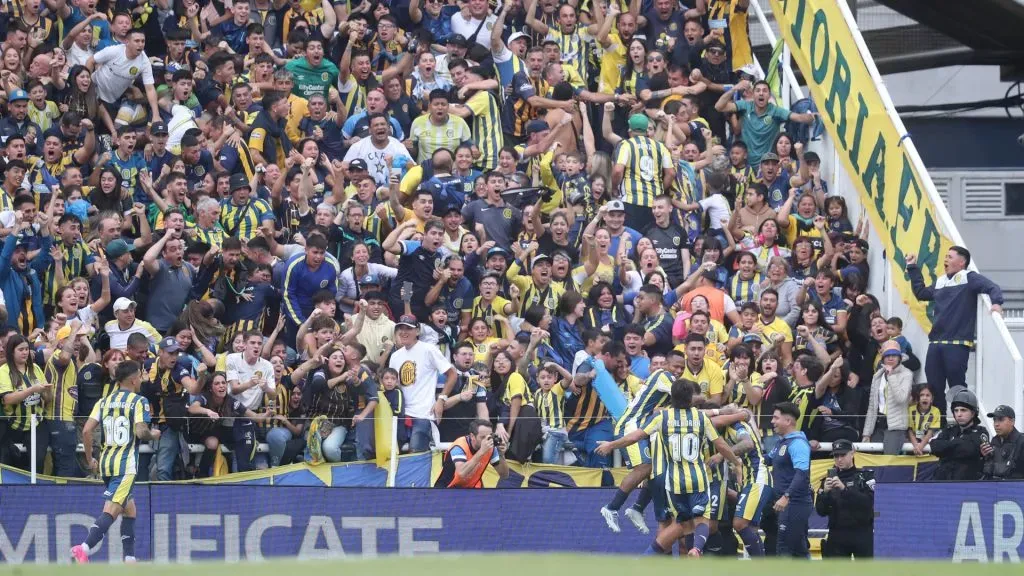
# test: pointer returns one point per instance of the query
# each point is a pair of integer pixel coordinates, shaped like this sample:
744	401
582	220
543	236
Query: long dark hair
13	342
500	381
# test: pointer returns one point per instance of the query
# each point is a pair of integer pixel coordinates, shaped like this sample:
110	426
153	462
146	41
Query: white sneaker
611	517
637	518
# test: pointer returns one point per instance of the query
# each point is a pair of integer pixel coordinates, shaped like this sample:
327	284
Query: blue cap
17	95
170	344
369	279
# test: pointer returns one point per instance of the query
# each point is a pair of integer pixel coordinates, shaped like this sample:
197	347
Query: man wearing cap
242	215
172	379
419	366
18	122
643	171
125	323
454	290
20	277
1004	455
124	281
158	138
762	120
847	497
537	288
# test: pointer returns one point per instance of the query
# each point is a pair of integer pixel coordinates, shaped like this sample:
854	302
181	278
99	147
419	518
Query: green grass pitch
514	565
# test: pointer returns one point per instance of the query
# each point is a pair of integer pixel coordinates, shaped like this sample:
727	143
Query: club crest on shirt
323	283
507	213
782	450
407	373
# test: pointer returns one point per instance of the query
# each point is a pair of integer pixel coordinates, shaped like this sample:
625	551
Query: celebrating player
125	416
680	477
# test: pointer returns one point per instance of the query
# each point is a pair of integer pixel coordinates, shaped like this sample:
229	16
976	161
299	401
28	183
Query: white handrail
789	78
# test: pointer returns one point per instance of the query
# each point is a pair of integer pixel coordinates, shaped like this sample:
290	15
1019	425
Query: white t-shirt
374	157
418	370
116	73
182	119
717	208
78	56
467	27
241	371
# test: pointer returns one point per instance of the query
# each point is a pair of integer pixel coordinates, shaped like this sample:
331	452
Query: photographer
847	497
1004	456
466	461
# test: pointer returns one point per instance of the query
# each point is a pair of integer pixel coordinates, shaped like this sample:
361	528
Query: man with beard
762	120
375	149
357	126
323	128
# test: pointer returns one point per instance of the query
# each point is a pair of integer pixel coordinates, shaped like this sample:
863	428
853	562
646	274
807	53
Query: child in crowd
550	400
389	385
925	419
894	326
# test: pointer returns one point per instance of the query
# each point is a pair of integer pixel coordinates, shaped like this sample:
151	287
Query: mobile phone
406	291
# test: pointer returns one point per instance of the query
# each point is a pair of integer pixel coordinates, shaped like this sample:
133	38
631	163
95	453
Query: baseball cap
497	251
842	446
891	348
368	280
516	36
408	320
751	338
63	333
709	275
536	127
616	206
638	122
770	157
123	303
1003	411
358	164
17	95
458	40
540	258
238	181
117	248
158	128
170	344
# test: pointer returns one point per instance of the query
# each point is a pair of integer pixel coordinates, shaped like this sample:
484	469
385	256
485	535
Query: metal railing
999	369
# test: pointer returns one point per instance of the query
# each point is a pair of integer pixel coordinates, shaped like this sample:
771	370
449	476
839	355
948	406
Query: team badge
457	303
507	213
407	373
323	283
324	77
675	240
133	71
199	171
782	450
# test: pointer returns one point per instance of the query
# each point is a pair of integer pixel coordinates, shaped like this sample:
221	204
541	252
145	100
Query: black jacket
851	508
959	451
1007	459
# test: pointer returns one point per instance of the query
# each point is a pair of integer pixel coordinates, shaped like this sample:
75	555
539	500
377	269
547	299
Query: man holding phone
847	497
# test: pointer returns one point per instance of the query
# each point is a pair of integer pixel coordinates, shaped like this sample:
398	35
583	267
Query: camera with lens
497	440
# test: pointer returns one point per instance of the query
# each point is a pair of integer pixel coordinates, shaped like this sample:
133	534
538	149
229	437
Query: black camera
497	440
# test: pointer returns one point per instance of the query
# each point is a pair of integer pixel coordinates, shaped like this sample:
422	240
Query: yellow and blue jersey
644	160
244	221
679	447
655	393
755	471
117	415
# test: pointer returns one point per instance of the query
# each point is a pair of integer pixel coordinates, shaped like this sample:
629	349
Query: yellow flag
382	416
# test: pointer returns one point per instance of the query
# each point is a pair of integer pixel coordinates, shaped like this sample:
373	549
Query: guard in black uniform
959	445
847	497
1004	456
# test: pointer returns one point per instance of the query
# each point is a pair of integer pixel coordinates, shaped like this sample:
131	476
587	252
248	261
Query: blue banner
180	523
41	523
963	522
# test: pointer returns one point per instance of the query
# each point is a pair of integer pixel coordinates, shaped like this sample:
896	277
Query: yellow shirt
777	326
488	313
480	350
710	378
612	61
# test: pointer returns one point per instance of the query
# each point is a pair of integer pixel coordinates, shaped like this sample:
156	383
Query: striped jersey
244	221
755	471
486	128
655	393
77	257
678	449
550	405
117	415
644	160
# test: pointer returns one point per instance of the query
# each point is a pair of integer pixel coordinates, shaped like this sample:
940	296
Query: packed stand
288	212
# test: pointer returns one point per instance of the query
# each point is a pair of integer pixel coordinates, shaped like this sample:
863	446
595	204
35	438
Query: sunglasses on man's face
655	59
716	51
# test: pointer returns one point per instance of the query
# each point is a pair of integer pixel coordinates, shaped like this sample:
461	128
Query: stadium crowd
289	211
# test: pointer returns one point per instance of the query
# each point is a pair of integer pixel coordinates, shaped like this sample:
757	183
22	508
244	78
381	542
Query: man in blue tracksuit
954	327
791	482
305	275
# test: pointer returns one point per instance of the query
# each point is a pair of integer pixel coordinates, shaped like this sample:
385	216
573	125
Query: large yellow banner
868	143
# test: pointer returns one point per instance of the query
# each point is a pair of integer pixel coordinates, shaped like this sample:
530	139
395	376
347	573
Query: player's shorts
635	454
119	488
718	507
752	500
682	507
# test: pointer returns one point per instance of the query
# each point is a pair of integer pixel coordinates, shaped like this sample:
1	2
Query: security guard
1004	456
959	445
847	497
